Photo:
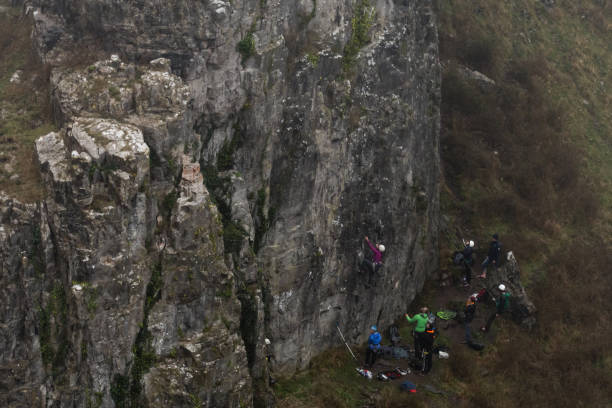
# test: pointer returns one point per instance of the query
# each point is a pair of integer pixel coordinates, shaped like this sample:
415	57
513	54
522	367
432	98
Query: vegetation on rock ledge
361	23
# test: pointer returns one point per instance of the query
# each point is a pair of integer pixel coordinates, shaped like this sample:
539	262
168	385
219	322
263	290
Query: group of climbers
493	258
502	305
425	331
465	258
425	334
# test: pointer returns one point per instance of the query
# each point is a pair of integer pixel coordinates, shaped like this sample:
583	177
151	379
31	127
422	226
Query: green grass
331	381
568	44
547	192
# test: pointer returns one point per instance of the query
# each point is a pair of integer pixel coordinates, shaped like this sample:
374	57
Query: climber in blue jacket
373	346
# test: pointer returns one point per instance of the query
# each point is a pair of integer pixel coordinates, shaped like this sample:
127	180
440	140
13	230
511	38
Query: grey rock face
314	123
22	257
348	151
195	324
132	302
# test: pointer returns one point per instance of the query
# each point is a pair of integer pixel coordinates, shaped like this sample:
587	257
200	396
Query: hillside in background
25	106
526	152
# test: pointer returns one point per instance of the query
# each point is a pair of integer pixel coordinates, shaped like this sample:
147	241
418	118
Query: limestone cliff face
211	186
130	291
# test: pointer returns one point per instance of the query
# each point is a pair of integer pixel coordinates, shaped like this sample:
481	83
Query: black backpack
394	335
458	258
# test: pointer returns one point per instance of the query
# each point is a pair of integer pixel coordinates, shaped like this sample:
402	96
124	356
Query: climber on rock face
373	265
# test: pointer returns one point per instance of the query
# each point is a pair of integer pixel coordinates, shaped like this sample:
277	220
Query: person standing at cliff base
375	263
502	305
373	347
421	320
429	336
468	260
469	311
492	255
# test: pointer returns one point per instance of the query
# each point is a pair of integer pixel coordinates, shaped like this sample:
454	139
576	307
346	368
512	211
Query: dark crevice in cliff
251	332
262	219
53	330
126	390
53	314
35	252
248	322
218	183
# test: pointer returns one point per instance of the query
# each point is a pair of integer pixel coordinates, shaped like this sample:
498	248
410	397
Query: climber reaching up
373	264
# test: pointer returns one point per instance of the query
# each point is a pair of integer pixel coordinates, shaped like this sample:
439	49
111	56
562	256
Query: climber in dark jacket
469	310
429	336
468	260
492	255
373	347
373	265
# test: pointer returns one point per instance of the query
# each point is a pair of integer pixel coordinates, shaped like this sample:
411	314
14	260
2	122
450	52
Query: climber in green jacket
502	304
421	320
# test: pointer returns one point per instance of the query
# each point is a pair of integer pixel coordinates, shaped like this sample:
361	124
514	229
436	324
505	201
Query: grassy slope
531	159
550	185
25	112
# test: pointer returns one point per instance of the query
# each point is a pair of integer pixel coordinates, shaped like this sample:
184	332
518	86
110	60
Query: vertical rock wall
22	259
340	144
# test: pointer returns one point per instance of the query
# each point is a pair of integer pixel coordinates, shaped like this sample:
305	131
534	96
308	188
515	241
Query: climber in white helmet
375	263
502	305
468	261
